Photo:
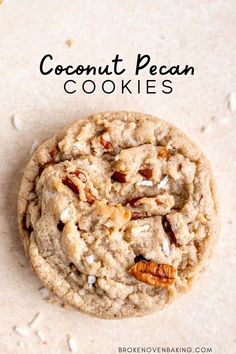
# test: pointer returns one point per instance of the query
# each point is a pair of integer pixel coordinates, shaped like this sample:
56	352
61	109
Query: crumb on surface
70	42
232	102
22	331
19	343
206	128
72	344
16	122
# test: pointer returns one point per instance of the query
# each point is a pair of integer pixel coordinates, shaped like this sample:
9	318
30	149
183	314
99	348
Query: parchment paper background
199	33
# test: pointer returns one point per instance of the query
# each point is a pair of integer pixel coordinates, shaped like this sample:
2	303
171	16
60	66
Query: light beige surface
199	33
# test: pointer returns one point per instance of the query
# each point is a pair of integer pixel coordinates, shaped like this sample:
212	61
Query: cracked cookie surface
118	214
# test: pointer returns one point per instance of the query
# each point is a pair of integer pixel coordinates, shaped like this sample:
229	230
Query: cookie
118	214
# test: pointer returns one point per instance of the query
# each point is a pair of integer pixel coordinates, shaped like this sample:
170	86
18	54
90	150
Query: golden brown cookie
118	214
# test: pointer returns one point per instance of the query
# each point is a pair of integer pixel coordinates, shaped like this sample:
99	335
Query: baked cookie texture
118	214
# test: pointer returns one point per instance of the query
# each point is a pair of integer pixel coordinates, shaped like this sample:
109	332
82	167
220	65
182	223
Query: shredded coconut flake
89	259
164	183
232	101
136	231
22	331
106	136
78	145
166	247
224	120
16	122
65	215
91	279
145	182
41	336
35	321
72	344
221	120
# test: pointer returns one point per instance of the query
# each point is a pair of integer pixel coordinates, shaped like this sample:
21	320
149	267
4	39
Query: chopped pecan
53	153
139	258
168	230
106	144
133	201
90	197
81	175
27	228
119	177
159	202
60	225
73	269
139	215
164	153
68	182
146	172
179	166
45	165
157	275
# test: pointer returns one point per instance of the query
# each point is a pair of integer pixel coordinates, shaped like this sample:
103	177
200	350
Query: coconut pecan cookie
118	214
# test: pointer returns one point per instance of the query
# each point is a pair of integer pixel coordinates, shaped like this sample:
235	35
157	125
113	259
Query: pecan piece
159	202
146	172
90	197
154	274
68	182
81	175
164	153
27	228
139	215
53	153
139	258
60	226
168	230
45	165
133	201
119	177
106	144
